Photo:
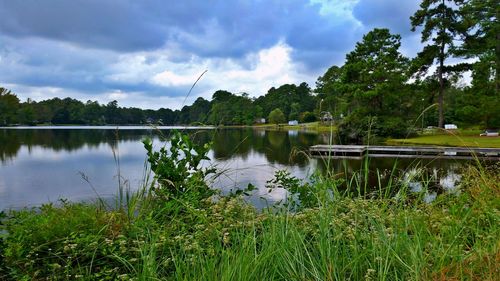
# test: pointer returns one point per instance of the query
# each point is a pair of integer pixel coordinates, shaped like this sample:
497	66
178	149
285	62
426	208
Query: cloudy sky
148	53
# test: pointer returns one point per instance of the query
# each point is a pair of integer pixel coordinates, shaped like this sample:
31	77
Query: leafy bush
357	128
178	170
307	117
276	116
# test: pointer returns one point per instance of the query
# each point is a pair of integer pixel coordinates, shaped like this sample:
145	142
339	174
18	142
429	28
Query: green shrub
177	170
276	116
357	128
307	117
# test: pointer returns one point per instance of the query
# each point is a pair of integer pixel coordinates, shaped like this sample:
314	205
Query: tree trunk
497	52
440	75
441	95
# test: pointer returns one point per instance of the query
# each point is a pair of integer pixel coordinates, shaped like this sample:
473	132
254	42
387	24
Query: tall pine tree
441	24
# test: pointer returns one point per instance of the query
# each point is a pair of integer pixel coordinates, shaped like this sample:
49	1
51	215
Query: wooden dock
360	151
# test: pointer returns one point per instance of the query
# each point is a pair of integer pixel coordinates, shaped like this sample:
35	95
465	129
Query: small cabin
293	122
326	116
260	121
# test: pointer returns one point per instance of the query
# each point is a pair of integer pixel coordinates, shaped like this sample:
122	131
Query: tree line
225	108
376	90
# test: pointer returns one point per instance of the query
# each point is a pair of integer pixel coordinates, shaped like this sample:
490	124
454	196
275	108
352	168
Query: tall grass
341	230
340	237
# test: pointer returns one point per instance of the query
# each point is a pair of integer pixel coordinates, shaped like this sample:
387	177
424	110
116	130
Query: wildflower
56	266
225	238
123	277
369	274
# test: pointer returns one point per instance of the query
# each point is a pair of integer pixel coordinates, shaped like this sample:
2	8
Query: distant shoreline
314	126
107	127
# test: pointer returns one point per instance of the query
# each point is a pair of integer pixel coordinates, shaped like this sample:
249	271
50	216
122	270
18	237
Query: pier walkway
360	151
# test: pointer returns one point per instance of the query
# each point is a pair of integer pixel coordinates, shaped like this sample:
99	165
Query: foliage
370	88
338	236
230	109
481	35
322	232
276	116
284	97
178	170
374	72
9	103
366	129
307	117
442	25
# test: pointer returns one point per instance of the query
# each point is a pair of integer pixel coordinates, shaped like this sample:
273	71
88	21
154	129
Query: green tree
482	38
276	116
112	113
284	96
480	104
231	109
307	116
198	112
93	113
329	89
26	114
294	111
9	104
441	25
372	88
374	73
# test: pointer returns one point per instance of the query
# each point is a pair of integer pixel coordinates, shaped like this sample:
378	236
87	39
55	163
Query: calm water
43	165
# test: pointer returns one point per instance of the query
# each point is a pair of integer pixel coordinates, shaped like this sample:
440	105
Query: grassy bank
179	229
312	126
466	138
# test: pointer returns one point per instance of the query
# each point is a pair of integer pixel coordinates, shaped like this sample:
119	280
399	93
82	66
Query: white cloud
117	95
154	79
273	67
38	93
270	67
169	78
338	8
255	74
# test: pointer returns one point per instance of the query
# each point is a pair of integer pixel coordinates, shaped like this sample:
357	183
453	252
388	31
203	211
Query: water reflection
41	165
426	178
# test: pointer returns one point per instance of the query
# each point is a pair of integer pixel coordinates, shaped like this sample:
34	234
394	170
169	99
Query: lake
40	165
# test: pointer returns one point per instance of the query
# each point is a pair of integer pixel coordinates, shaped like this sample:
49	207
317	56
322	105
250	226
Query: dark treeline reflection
59	139
46	163
278	146
288	148
281	147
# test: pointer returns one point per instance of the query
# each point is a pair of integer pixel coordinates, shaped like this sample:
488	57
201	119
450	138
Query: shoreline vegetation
458	138
178	228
